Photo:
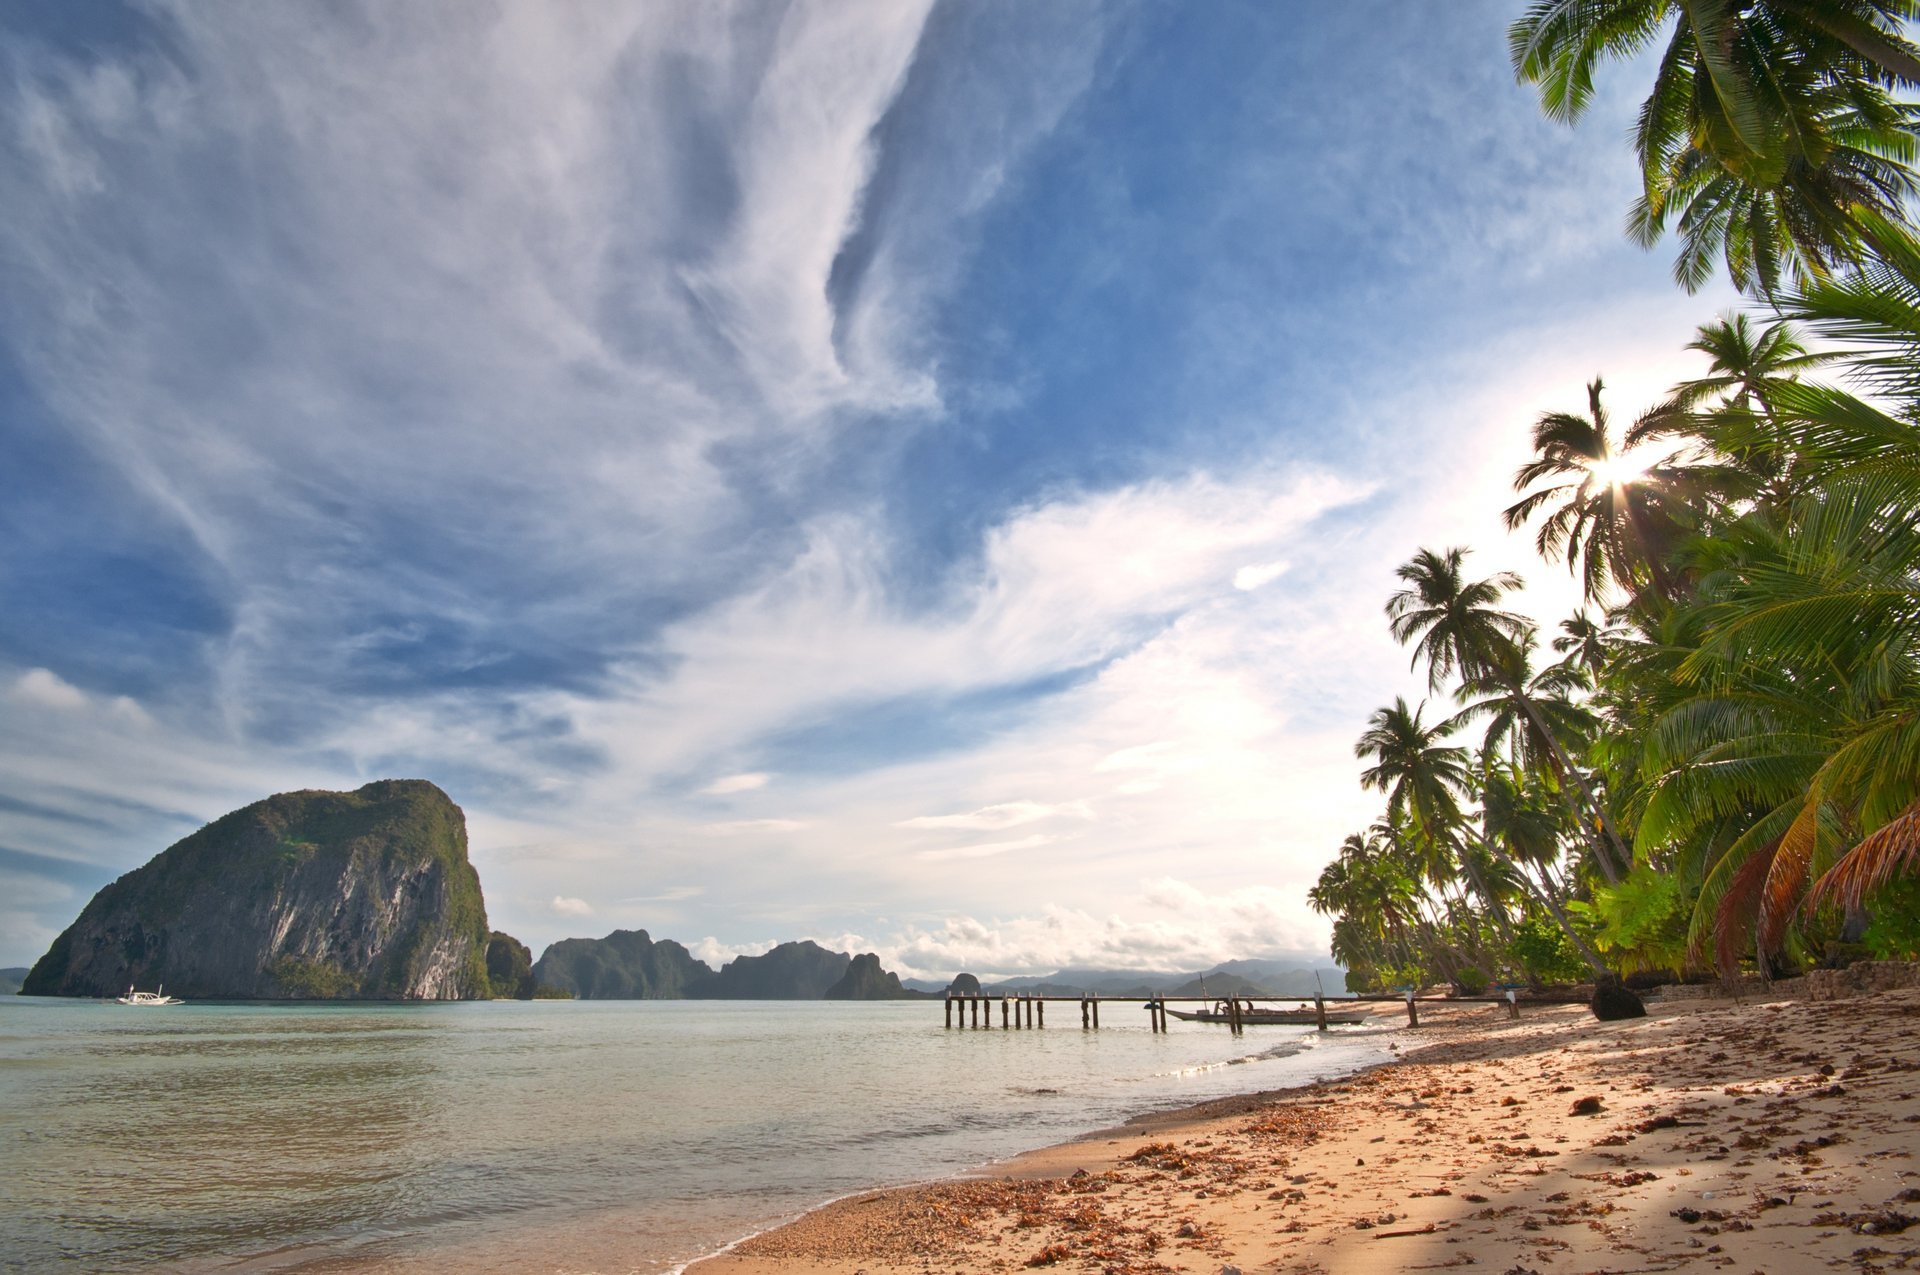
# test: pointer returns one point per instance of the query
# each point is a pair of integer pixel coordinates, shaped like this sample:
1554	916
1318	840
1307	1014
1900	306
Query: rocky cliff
509	967
793	971
866	981
359	895
625	965
629	965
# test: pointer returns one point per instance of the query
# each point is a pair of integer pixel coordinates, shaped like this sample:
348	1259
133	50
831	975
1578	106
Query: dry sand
1760	1137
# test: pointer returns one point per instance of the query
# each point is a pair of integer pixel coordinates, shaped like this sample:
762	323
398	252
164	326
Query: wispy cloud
1008	814
728	785
849	460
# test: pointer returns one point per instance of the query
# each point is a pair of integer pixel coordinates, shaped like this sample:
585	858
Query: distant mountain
362	895
625	965
509	968
1220	983
866	981
630	965
1274	977
800	971
11	978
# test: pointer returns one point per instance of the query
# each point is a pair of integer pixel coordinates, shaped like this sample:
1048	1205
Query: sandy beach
1763	1136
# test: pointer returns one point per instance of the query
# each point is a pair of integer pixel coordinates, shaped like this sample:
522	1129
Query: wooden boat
1250	1016
159	997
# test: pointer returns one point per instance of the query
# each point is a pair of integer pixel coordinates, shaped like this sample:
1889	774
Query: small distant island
631	965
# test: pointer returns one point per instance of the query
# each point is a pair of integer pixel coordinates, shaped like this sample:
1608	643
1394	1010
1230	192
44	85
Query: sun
1620	471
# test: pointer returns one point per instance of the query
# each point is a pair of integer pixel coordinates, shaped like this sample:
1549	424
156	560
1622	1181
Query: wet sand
1766	1136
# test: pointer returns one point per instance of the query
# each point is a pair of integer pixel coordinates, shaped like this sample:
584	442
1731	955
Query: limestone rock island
363	895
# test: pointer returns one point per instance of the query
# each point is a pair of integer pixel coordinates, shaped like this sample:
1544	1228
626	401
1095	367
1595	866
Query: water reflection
217	1129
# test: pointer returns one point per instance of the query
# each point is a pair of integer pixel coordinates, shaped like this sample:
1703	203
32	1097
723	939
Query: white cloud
986	849
727	785
1190	929
735	827
1009	814
1252	577
565	906
44	688
675	894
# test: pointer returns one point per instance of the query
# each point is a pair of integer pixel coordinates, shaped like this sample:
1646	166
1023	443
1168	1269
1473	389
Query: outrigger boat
1264	1017
158	997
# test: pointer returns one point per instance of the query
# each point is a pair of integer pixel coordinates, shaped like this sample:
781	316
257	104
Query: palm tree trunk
1565	765
1559	914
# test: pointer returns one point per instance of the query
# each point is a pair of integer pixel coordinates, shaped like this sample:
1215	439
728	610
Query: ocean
587	1136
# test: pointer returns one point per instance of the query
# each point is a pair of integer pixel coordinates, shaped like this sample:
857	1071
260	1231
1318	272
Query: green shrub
1894	932
1543	953
1470	981
313	980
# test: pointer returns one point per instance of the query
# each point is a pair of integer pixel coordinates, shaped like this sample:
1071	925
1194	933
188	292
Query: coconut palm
1768	129
1732	415
1457	626
1585	644
1610	525
1422	776
1805	726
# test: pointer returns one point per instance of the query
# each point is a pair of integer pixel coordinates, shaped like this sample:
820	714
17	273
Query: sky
919	476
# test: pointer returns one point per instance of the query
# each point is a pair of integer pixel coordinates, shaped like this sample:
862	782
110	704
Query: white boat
158	997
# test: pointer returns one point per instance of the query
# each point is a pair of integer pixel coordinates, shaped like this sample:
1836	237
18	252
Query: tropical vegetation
1714	767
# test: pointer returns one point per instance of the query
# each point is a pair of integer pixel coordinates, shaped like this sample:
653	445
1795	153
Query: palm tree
1456	626
1518	826
1531	717
1376	900
1734	410
1610	526
1585	644
1422	777
1768	129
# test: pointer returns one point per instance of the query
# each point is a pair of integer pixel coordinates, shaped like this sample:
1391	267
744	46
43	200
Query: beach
1767	1135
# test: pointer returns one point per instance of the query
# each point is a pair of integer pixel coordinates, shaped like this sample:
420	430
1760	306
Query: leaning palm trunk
1610	863
1546	896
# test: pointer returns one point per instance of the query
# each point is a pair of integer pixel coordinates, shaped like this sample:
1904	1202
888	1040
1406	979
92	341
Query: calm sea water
612	1136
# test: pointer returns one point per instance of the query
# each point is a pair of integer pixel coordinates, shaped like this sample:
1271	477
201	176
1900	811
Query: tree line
1715	764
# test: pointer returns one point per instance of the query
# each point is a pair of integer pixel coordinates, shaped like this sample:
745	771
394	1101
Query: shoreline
1704	1135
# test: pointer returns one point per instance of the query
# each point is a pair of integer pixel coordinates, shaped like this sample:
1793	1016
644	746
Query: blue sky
920	476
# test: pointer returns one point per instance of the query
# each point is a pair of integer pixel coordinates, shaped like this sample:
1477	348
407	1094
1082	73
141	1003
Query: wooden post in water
1043	1013
1083	1013
1096	1013
949	1013
1320	1012
1004	1003
1238	1025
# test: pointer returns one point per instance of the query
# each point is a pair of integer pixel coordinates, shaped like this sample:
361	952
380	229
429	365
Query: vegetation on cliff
509	968
320	895
631	965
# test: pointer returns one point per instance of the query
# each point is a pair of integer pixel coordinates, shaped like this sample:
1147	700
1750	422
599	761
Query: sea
547	1136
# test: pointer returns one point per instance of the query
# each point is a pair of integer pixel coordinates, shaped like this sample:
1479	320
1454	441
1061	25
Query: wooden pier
1024	1013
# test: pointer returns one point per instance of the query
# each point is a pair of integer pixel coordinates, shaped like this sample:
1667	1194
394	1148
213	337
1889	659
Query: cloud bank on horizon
920	476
